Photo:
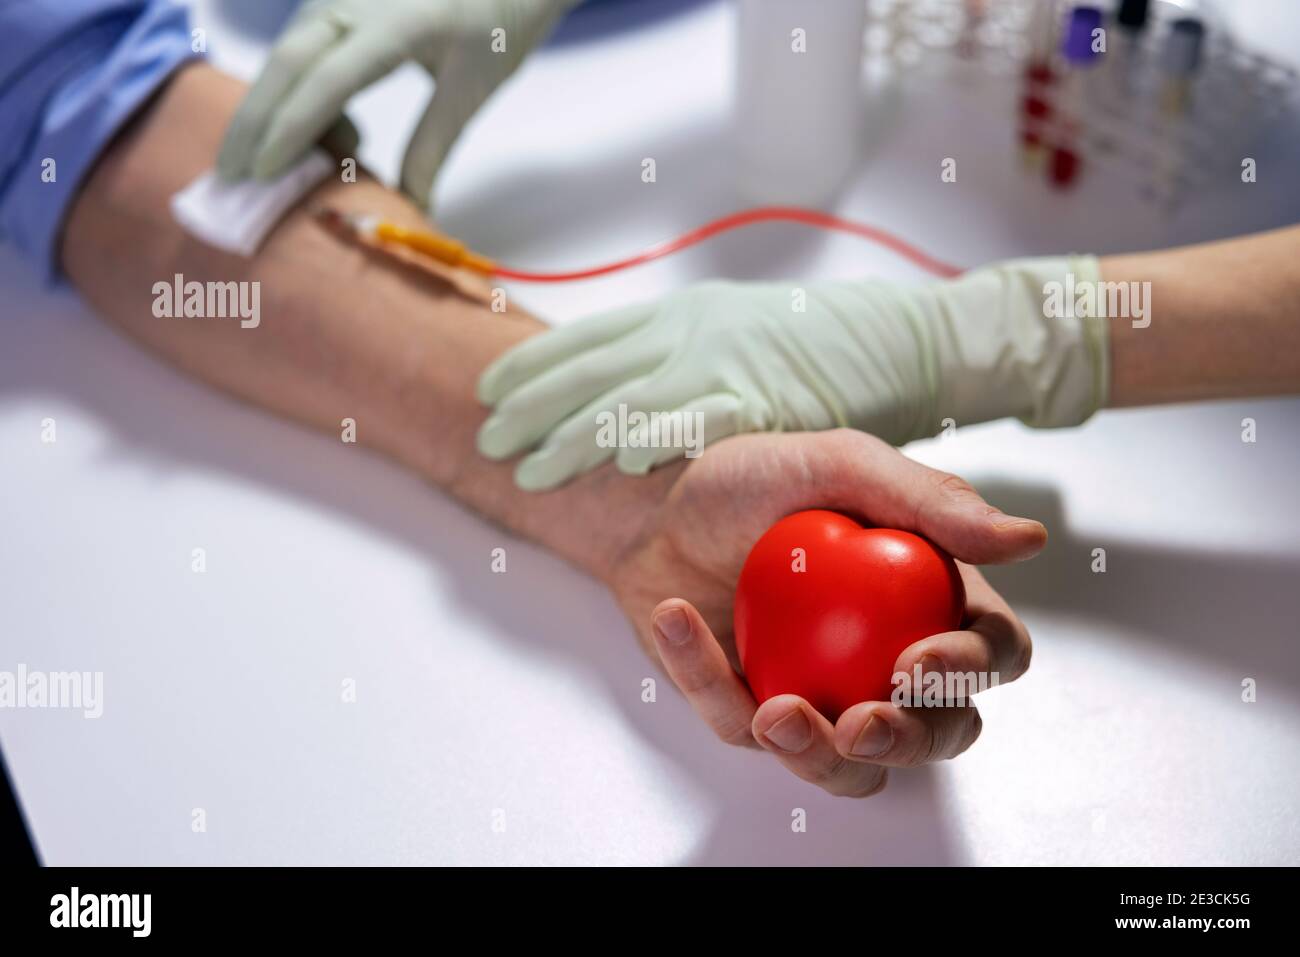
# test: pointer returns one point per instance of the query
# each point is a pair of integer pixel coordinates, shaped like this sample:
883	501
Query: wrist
1020	339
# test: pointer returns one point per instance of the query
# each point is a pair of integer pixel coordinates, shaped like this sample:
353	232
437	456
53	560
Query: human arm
70	74
344	334
1049	341
1225	321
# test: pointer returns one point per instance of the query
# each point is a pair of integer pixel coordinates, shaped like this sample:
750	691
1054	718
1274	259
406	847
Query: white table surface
1126	743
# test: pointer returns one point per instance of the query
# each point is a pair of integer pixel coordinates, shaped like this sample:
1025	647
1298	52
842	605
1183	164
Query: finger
804	741
342	139
698	666
315	103
876	733
699	422
305	41
456	98
528	413
873	479
994	649
539	353
557	463
584	440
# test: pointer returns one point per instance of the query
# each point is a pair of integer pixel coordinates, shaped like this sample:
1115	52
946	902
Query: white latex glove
335	48
891	359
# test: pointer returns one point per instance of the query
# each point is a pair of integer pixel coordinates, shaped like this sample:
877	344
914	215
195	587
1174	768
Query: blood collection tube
968	42
1179	60
1038	83
1079	56
1124	54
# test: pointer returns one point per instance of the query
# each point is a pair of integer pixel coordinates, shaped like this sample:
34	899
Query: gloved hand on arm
335	48
887	358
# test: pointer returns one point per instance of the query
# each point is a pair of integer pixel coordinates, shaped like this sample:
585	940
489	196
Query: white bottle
799	103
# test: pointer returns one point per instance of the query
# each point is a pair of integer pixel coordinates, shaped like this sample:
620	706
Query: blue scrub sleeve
72	72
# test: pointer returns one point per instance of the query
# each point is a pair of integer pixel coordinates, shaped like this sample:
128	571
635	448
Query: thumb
956	518
876	481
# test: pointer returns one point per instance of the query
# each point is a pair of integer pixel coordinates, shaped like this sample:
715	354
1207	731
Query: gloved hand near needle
886	358
335	48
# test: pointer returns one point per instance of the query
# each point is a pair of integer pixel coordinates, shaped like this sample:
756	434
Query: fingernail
1031	535
674	625
929	664
536	473
792	733
1002	520
489	439
485	388
633	460
875	738
932	664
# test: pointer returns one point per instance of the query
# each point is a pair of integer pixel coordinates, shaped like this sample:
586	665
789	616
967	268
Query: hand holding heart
723	504
825	607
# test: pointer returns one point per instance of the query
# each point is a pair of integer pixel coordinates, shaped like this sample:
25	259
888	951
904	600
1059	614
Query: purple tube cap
1076	45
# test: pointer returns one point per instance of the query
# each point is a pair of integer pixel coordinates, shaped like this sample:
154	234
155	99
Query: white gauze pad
236	216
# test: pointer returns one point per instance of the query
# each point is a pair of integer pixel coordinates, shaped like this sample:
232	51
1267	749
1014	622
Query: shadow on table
1231	609
162	422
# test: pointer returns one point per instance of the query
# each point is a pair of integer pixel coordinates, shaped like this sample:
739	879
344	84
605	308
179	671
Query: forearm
1225	321
342	333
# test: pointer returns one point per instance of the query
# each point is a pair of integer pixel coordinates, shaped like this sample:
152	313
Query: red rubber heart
824	607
